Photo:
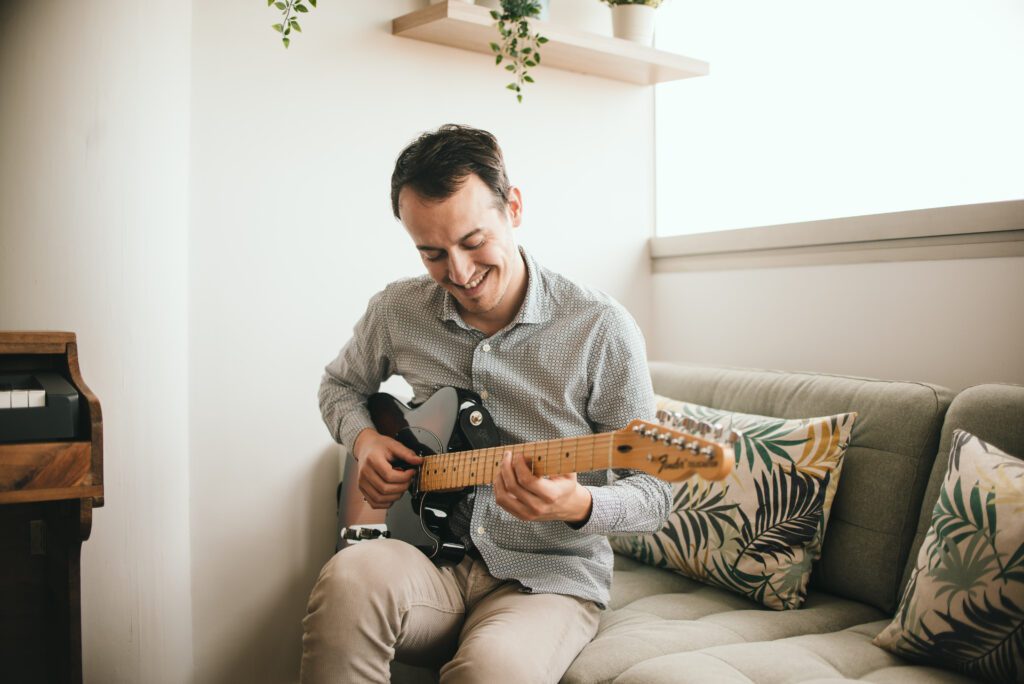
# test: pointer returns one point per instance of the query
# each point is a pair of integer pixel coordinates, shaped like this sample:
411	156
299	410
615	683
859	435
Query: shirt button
487	347
484	394
480	530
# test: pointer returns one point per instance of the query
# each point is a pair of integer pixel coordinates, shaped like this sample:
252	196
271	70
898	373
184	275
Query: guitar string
449	469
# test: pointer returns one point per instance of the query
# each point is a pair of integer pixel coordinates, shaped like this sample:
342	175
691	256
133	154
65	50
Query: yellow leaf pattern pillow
758	531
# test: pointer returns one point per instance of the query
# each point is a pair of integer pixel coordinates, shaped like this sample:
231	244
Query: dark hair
437	163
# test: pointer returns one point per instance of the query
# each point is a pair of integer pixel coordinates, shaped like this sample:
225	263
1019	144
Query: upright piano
51	478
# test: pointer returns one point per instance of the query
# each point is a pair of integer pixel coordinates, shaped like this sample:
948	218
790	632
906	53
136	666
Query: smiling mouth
474	284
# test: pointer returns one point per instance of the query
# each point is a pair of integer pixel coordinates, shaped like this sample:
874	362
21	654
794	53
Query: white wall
955	323
291	232
94	100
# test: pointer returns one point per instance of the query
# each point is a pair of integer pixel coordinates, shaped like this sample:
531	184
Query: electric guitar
459	442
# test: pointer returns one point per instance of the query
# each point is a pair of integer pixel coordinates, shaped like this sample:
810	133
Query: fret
456	470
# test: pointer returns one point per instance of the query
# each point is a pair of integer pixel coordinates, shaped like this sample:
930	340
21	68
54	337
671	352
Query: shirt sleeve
361	366
621	391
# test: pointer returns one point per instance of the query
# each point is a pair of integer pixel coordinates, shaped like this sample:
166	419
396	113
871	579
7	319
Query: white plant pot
634	22
582	15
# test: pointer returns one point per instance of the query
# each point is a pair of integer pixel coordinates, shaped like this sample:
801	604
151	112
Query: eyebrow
428	248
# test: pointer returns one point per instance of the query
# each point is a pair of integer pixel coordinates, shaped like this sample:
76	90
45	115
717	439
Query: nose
460	267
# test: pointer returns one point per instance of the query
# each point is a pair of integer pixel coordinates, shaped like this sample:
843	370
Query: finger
377	499
385	486
525	498
507	501
538	489
404	453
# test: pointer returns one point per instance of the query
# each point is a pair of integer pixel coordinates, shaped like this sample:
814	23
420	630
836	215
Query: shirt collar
536	306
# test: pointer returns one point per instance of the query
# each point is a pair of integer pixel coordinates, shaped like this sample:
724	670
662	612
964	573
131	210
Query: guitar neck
459	469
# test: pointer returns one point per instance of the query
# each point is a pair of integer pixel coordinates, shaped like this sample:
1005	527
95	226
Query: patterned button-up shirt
571	363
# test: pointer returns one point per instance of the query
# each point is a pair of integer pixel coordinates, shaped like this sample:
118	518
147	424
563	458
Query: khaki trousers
382	600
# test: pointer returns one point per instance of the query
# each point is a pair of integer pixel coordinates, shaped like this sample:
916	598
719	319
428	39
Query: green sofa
663	627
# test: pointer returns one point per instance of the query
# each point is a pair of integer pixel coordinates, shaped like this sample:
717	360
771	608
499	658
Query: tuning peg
719	430
665	417
733	436
704	427
687	423
649	432
678	442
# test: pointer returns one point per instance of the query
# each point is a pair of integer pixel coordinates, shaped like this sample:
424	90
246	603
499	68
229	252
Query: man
550	359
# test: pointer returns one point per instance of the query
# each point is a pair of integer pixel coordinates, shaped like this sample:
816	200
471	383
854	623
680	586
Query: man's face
467	246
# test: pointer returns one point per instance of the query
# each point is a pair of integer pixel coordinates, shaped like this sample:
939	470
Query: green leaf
278	28
511	86
510	67
287	41
288	30
312	2
280	5
301	8
495	47
528	79
519	98
541	39
530	63
270	2
497	60
495	16
295	25
536	57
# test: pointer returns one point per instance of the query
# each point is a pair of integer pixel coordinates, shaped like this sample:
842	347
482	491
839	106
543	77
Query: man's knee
361	572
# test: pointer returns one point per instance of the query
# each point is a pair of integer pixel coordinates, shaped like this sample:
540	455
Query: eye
432	257
477	244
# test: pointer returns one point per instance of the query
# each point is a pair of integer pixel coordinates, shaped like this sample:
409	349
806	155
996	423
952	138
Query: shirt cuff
605	512
354	423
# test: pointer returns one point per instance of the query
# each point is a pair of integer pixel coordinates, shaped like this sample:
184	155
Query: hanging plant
519	47
289	8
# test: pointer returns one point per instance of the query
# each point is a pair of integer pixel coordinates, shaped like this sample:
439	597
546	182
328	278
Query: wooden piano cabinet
48	489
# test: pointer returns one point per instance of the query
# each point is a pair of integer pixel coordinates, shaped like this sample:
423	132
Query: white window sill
992	229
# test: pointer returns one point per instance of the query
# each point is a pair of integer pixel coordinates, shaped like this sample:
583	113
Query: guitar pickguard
450	420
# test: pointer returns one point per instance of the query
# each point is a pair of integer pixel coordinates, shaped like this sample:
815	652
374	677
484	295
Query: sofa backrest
892	447
995	413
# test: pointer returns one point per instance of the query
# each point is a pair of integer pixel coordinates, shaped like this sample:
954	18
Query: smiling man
550	359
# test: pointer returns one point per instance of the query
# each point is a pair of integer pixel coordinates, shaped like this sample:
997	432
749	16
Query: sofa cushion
840	656
886	467
758	531
993	413
655	613
964	605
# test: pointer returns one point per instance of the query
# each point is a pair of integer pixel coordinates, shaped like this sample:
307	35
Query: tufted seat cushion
656	615
844	656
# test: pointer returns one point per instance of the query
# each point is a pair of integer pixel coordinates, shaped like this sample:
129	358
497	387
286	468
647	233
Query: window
817	110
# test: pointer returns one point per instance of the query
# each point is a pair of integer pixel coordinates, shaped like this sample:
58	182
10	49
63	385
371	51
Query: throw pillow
758	531
964	605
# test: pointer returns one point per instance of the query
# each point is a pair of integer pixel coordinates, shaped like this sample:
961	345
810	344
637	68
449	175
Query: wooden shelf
469	27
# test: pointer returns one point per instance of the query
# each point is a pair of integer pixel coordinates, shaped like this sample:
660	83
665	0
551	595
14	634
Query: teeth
471	285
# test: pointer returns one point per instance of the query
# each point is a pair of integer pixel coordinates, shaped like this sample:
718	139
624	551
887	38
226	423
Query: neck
455	470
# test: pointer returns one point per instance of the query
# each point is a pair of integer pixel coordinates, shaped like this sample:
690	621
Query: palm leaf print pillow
758	531
964	605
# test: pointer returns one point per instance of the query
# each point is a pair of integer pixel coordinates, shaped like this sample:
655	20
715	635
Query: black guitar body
450	420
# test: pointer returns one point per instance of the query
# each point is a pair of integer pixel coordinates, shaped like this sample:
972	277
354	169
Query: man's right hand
380	482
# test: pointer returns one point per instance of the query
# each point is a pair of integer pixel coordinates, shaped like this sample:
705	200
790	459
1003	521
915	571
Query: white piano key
5	398
19	398
36	398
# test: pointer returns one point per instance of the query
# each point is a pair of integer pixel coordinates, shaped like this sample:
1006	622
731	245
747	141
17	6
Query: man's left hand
528	497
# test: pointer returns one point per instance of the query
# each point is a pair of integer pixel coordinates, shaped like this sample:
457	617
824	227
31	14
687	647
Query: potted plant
634	19
520	47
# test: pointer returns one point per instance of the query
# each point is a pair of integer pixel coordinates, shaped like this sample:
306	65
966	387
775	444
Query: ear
515	206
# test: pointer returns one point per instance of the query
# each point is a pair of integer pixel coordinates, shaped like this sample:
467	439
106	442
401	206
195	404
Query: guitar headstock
672	453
